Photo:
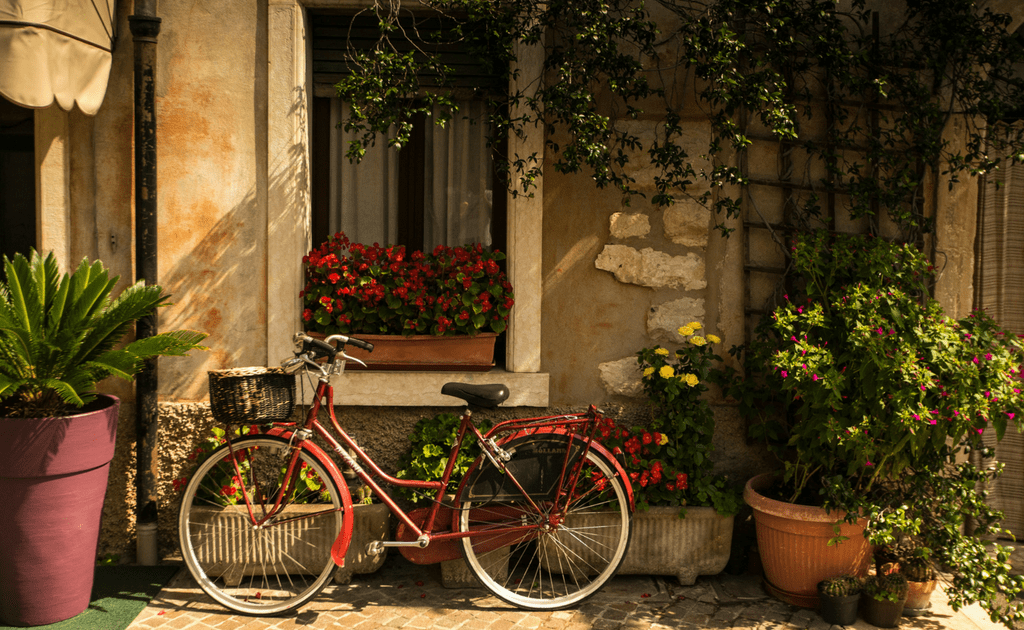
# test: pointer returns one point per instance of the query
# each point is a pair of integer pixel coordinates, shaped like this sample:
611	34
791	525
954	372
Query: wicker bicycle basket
251	395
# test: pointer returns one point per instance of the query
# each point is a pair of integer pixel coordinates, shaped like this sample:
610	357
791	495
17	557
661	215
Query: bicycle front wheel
244	561
561	547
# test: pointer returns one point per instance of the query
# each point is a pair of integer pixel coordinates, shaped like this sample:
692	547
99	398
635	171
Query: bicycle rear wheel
250	567
554	555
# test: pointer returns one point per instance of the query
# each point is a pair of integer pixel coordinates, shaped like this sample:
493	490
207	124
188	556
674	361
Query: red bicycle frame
580	427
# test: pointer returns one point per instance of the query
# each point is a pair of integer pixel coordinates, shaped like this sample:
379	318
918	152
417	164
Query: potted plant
59	336
871	396
685	512
839	598
410	302
921	581
883	600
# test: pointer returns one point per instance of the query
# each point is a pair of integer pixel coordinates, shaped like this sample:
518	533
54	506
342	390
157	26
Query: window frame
289	229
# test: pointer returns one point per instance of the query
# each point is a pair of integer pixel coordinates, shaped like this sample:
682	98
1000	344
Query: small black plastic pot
838	610
881	613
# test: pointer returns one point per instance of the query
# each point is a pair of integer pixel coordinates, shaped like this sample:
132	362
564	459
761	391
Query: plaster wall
211	206
211	187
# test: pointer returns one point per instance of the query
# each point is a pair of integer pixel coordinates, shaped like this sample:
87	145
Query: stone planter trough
664	544
224	556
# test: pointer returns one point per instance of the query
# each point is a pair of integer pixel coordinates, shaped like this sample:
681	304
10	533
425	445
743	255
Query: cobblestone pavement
403	595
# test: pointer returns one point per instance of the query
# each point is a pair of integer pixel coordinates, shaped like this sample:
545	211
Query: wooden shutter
999	290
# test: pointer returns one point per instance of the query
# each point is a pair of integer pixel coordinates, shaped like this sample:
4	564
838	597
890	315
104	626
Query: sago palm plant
59	335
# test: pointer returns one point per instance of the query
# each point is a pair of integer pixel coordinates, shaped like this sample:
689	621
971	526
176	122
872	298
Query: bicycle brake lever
348	358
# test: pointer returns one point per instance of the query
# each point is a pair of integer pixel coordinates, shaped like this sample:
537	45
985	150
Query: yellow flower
648	371
664	439
685	331
662	351
694	325
666	372
697	340
714	339
692	380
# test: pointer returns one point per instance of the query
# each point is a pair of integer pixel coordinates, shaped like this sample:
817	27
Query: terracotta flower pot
424	352
792	541
919	598
53	475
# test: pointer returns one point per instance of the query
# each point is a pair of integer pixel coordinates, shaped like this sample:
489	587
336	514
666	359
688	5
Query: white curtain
457	190
364	195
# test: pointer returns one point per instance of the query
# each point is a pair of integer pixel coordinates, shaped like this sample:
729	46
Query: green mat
119	593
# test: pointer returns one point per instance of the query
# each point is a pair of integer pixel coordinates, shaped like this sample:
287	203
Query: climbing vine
880	104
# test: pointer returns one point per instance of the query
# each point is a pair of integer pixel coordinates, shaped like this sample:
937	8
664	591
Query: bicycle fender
594	445
341	543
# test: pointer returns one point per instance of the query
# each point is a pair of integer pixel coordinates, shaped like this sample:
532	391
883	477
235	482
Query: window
439	189
290	91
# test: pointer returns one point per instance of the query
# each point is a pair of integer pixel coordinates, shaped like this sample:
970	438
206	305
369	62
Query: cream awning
56	49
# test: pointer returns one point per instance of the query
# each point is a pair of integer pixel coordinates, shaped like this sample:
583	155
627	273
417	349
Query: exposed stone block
630	225
622	377
664	321
650	268
686	223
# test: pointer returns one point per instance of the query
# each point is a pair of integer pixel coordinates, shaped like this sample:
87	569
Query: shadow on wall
220	285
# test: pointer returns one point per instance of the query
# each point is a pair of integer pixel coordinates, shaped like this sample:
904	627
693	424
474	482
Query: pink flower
980	431
988	356
1010	414
785	373
975	359
917	417
814	377
932	422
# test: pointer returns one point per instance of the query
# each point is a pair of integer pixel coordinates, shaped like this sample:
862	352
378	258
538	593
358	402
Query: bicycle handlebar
328	348
313	349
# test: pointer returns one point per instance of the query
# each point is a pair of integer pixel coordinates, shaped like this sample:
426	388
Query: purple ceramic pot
53	478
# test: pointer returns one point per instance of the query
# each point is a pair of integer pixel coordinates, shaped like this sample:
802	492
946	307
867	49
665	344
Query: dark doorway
17	179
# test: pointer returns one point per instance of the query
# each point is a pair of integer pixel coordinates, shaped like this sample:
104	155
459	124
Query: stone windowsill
409	389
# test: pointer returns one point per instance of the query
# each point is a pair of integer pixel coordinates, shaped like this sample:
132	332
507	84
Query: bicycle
524	516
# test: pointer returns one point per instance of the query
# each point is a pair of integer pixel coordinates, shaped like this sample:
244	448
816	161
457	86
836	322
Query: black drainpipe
145	27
